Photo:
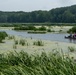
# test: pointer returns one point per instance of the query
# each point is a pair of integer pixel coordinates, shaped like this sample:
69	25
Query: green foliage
38	43
71	49
25	28
58	15
2	36
24	64
22	42
73	30
49	30
42	28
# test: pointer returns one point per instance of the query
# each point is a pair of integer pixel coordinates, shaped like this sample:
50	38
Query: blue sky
32	5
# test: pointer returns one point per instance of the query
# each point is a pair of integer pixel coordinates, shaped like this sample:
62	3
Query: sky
33	5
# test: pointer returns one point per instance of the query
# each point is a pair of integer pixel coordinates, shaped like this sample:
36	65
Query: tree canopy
57	15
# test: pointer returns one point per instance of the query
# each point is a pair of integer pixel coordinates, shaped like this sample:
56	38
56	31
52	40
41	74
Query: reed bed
21	63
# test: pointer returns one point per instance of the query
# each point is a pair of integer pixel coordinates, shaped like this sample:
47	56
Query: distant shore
53	28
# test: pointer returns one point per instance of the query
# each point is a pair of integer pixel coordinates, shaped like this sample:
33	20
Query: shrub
49	30
3	35
73	30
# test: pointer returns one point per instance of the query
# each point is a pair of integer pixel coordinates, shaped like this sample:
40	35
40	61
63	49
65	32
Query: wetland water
48	36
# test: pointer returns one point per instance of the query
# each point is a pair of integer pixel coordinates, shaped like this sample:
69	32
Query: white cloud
31	5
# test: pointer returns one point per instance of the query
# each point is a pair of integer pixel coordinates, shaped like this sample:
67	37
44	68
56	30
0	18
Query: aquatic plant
2	36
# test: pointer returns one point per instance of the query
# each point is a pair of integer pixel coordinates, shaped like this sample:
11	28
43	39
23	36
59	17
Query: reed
21	63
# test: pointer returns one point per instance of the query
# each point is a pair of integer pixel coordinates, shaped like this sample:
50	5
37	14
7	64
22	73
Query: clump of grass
71	49
60	30
16	42
38	43
2	36
22	42
14	46
11	37
22	63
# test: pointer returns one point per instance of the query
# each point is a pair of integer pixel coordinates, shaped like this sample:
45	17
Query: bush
3	35
73	30
42	28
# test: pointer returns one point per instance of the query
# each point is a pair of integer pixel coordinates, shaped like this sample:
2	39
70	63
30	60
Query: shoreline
33	49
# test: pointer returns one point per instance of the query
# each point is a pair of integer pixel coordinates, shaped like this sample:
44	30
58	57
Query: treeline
58	15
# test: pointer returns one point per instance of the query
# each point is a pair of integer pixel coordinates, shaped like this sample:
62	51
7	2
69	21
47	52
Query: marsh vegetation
21	63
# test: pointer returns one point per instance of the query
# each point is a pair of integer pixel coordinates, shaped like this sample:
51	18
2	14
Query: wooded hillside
58	15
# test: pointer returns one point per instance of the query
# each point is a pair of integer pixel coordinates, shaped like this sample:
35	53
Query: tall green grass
22	63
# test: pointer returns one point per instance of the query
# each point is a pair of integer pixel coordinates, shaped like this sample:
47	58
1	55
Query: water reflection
72	40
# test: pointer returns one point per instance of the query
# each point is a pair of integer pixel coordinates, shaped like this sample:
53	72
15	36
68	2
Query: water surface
48	36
